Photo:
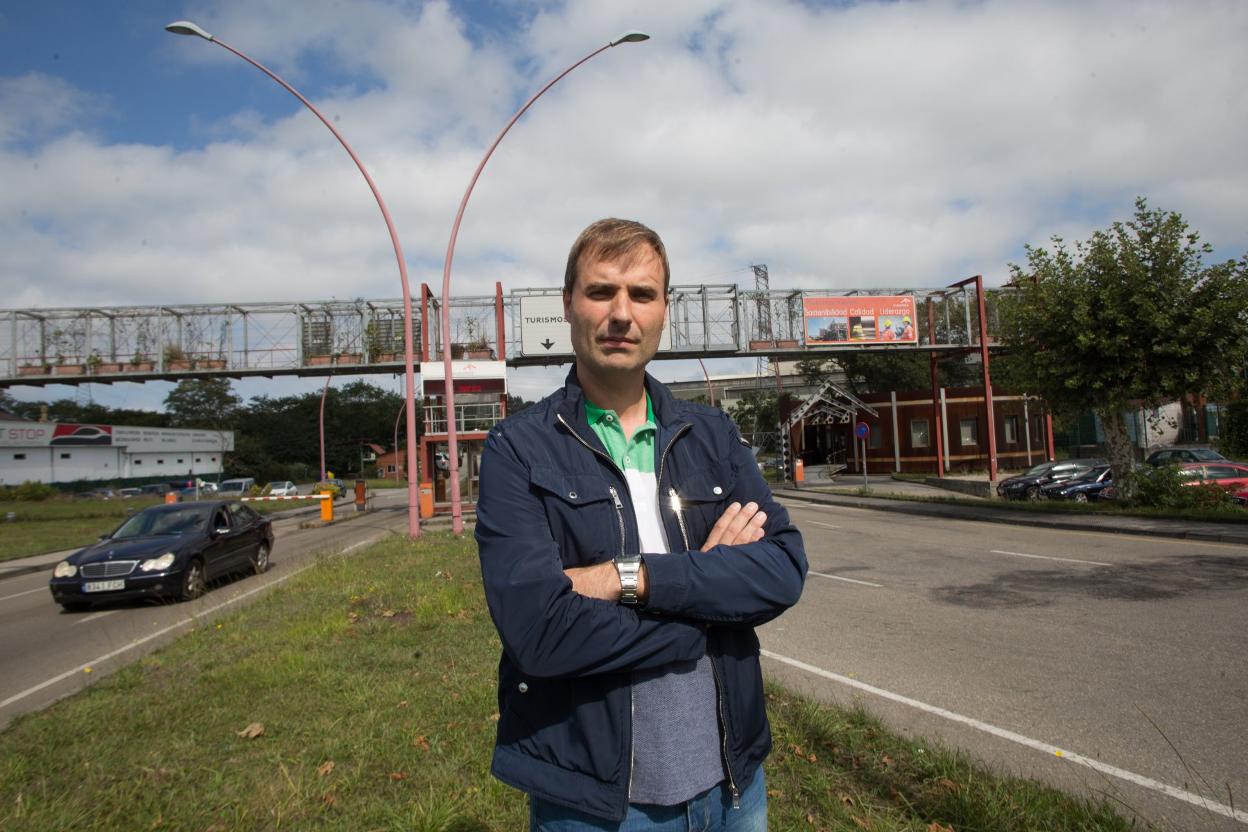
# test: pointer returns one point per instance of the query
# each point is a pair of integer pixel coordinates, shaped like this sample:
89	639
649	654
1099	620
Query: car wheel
260	560
1080	497
1033	492
193	582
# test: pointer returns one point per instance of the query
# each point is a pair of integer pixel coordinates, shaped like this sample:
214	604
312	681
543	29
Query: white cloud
890	144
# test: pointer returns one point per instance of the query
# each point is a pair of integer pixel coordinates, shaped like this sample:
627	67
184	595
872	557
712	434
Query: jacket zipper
719	687
680	517
619	516
723	732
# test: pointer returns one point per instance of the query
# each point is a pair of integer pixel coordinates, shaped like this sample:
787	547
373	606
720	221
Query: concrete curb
992	514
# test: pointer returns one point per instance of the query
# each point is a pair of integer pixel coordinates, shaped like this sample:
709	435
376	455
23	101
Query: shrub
1164	488
34	492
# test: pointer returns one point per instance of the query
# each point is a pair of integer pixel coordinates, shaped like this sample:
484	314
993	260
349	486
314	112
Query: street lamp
321	423
457	518
186	27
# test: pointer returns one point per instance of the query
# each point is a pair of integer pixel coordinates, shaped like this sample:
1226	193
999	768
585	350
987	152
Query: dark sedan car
1027	485
1087	486
1175	456
170	550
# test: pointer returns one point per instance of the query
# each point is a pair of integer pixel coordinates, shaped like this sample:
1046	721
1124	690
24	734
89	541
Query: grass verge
373	680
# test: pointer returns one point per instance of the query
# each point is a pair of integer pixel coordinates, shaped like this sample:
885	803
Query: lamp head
186	27
630	37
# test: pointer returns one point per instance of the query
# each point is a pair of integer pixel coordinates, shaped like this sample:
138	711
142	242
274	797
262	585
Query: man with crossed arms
629	546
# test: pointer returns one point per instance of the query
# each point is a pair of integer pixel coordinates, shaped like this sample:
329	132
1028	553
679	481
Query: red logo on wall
82	435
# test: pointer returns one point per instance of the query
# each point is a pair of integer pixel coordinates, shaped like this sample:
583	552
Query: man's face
617	313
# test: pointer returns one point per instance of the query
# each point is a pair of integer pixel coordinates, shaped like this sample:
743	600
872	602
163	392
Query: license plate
103	586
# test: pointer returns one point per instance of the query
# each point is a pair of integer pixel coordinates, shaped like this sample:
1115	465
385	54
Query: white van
240	487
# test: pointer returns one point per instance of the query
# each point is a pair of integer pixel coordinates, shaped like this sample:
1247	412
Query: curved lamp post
321	422
457	517
185	27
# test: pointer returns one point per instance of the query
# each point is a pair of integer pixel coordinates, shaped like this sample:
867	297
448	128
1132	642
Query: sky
843	144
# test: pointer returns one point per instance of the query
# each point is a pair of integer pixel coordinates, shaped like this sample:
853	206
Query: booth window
918	433
1011	429
969	431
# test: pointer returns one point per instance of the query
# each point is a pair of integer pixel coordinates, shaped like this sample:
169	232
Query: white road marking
190	619
95	616
1097	765
1047	557
847	580
27	592
825	525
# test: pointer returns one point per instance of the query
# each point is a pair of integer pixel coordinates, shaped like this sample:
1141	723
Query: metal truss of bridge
235	340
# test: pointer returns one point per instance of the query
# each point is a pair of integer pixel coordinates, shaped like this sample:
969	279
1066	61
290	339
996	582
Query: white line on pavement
96	616
1047	557
163	630
1104	768
27	592
825	525
847	580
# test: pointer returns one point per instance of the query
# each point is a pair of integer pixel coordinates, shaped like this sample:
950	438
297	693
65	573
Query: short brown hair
612	240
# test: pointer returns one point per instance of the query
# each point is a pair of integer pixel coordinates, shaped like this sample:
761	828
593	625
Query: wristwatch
629	567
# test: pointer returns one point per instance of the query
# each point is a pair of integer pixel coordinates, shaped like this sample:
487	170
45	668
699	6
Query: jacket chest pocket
583	515
701	497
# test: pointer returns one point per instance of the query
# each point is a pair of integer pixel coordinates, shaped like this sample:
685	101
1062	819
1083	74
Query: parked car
99	494
281	488
155	489
1230	475
1027	485
170	550
1089	485
238	487
128	493
1171	456
1240	498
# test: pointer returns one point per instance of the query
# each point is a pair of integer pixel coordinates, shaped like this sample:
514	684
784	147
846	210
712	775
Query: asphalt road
1098	662
45	653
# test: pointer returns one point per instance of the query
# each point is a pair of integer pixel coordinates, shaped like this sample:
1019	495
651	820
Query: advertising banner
880	319
44	434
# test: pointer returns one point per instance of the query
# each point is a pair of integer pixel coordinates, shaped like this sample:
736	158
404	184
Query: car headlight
65	569
159	564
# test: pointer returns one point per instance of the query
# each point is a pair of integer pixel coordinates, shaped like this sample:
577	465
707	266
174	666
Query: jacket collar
668	410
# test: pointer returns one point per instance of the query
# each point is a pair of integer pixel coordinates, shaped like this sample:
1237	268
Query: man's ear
567	303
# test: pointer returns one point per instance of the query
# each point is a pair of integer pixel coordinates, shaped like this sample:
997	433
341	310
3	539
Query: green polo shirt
631	454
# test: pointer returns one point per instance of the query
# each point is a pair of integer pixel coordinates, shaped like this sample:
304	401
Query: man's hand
602	581
738	525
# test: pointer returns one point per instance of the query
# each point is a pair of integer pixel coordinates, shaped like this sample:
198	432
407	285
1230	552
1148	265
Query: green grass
383	665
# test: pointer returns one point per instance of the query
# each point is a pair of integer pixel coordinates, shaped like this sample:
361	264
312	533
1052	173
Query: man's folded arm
746	584
546	628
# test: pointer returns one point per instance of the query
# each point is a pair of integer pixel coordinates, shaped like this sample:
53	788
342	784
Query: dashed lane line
847	580
1049	557
1037	745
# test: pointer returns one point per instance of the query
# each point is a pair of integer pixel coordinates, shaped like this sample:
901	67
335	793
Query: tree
203	403
879	372
1130	318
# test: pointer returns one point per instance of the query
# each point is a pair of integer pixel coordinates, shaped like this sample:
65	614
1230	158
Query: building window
197	459
64	456
969	430
390	469
919	437
875	439
138	462
1011	429
19	456
214	459
160	462
179	462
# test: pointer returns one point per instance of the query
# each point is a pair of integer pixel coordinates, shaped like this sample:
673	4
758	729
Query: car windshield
149	523
1037	470
1202	455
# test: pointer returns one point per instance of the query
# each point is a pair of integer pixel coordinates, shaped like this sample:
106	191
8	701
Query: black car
1027	485
166	551
1082	488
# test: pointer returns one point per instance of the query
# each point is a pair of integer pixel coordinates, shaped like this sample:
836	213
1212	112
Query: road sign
862	430
544	332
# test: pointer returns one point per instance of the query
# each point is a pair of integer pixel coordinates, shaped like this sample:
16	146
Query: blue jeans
710	811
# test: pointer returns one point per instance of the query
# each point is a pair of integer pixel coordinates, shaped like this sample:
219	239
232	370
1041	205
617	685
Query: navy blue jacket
551	498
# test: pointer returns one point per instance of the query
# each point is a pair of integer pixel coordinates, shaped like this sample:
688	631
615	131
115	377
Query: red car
1230	475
